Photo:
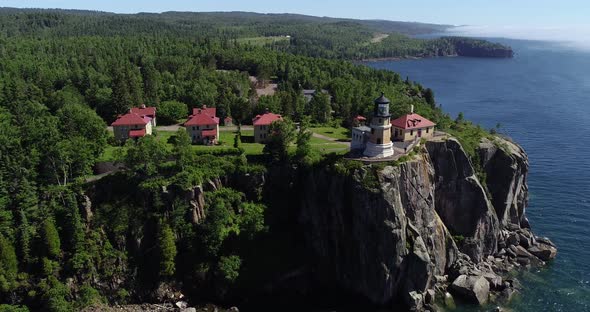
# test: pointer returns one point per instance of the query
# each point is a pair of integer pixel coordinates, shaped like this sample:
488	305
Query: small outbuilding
228	121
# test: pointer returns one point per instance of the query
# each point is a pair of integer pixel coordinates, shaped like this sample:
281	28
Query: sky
554	13
567	20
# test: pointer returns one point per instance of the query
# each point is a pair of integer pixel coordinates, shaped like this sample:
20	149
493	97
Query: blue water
541	98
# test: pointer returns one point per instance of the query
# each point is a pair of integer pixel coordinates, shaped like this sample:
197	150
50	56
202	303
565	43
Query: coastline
395	59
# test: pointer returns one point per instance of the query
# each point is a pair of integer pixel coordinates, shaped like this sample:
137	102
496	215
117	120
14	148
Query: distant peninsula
325	37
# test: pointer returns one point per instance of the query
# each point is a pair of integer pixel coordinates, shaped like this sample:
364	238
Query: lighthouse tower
379	144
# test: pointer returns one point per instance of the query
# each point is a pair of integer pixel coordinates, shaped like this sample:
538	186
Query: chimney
204	106
266	110
142	105
412	109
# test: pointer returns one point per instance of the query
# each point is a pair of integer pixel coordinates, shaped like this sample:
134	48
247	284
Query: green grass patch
339	133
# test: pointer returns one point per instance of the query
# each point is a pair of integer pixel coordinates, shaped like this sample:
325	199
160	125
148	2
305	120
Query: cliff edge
424	230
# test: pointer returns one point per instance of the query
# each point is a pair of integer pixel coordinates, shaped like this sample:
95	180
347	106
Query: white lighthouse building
379	144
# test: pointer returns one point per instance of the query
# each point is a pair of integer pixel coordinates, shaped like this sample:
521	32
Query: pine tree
51	240
8	265
166	250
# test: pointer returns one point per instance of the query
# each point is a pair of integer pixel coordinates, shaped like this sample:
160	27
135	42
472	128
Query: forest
65	75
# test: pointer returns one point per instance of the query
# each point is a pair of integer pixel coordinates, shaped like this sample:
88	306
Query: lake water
541	98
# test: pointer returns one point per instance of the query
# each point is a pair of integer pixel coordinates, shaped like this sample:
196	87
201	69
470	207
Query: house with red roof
411	126
262	126
203	126
144	111
131	125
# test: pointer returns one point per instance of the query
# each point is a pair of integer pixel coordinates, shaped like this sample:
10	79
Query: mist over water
541	99
575	36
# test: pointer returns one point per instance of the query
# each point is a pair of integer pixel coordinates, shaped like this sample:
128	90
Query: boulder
513	239
494	280
543	252
524	240
521	252
475	289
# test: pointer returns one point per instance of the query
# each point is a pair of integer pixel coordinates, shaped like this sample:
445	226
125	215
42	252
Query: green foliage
170	112
320	108
181	149
166	251
145	155
51	240
88	297
281	135
8	265
12	308
229	267
304	153
55	295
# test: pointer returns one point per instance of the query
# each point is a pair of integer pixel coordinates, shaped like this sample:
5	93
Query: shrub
170	112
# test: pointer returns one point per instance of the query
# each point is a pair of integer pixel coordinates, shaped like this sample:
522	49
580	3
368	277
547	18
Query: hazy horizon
535	13
565	22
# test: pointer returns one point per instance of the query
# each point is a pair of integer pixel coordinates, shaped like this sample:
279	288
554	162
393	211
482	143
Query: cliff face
397	233
377	241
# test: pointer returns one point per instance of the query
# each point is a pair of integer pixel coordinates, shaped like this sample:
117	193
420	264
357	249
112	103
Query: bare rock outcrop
413	231
461	201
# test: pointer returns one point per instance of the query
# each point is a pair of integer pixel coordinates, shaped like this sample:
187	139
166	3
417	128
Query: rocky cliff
408	233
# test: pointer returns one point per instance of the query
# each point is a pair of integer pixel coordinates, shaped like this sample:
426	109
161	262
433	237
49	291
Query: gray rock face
474	288
506	170
385	232
379	242
461	201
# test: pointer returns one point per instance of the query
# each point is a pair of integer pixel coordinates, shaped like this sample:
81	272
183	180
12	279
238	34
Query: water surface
541	98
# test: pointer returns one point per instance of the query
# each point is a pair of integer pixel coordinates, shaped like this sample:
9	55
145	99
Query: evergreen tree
51	241
281	135
166	251
8	265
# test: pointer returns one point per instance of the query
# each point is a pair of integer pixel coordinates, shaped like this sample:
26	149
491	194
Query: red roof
209	133
360	118
228	118
211	111
137	133
412	121
266	119
131	119
144	111
201	119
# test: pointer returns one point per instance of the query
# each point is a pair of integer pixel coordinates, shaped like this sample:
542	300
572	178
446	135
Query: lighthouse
379	144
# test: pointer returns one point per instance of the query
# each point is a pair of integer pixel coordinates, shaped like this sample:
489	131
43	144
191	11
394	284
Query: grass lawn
339	133
226	139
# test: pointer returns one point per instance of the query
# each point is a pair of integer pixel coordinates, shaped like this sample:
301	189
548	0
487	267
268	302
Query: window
372	130
411	132
193	128
197	127
380	120
379	141
427	130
